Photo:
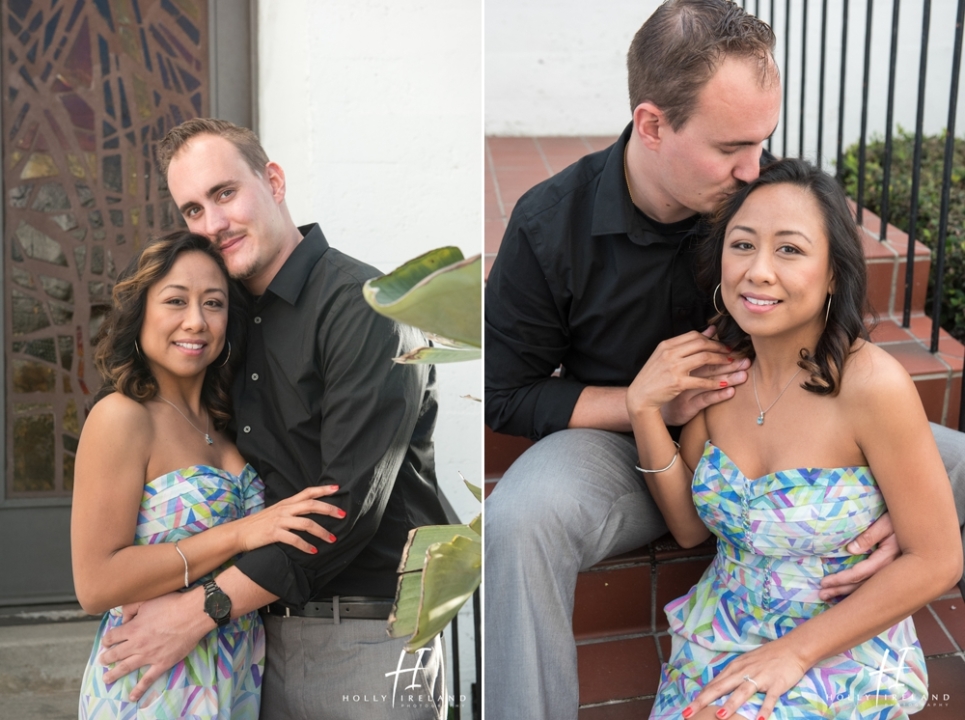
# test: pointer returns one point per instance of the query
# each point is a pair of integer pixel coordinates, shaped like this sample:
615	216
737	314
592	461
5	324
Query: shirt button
247	428
254	376
257	319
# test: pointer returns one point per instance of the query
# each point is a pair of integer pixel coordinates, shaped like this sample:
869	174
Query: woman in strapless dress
162	499
827	432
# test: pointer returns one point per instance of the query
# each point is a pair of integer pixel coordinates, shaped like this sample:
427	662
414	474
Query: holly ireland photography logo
889	677
410	685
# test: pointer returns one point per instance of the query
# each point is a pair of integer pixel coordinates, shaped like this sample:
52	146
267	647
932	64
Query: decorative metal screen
89	87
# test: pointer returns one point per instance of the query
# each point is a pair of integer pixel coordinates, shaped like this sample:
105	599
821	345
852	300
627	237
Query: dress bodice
186	501
781	533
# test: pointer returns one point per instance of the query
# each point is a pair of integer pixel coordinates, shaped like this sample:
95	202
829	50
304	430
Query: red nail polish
723	383
730	359
761	718
341	513
722	713
333	538
314	551
688	711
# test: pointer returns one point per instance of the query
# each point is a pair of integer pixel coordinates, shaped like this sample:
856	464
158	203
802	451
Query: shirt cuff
272	569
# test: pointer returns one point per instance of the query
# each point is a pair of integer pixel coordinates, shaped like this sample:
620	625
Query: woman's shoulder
872	375
120	415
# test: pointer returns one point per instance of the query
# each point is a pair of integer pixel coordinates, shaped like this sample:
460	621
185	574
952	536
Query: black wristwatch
216	604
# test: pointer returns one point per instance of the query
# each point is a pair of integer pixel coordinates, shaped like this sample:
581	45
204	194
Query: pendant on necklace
207	438
760	419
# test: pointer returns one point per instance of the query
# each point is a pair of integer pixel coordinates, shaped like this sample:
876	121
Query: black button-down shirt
319	401
585	281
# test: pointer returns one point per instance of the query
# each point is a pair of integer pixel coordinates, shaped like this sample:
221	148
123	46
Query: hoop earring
226	356
827	314
138	350
719	311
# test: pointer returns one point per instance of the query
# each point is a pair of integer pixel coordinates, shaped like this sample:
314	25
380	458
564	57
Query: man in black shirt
317	401
595	270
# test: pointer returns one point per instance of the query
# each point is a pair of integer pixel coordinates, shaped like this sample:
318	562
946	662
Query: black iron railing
794	72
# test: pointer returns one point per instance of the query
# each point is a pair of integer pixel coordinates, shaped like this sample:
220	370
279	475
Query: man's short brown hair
682	44
242	138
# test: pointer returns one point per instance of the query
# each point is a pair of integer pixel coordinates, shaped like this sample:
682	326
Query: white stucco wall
558	67
374	110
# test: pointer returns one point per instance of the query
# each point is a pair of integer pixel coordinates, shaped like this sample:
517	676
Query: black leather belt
338	608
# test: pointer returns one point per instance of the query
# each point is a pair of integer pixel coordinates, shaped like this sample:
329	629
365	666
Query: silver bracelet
663	468
185	562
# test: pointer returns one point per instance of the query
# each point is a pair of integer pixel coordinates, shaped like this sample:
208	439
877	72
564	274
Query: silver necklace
760	418
207	424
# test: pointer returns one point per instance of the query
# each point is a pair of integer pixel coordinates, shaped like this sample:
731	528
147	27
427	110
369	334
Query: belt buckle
288	612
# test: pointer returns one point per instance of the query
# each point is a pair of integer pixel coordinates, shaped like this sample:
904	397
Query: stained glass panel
89	87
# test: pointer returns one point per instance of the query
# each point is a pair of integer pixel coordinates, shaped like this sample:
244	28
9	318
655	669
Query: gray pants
317	670
567	503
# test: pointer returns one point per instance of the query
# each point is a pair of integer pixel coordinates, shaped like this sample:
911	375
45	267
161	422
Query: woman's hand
691	367
775	669
278	522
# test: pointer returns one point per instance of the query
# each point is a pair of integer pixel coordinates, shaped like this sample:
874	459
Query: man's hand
158	633
847	581
684	375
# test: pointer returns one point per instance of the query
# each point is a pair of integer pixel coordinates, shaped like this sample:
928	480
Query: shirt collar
614	212
291	278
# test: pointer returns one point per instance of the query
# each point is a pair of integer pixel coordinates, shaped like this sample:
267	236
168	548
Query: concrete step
44	658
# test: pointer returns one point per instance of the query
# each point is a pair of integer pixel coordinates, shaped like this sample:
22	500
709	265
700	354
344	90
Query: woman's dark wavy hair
849	303
117	358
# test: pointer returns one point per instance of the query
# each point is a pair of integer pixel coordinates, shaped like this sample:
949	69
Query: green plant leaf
451	575
438	292
476	524
414	553
475	490
436	355
405	610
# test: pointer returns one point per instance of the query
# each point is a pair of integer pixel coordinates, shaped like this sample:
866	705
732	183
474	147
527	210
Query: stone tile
513	151
934	640
880	278
673	580
612	602
918	288
954	404
916	359
629	710
561	152
873	248
640	555
617	669
932	393
600	142
952	614
501	450
890	330
494	235
946	689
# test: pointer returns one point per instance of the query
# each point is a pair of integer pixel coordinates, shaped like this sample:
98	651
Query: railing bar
824	38
839	167
787	74
889	117
947	176
757	8
804	66
961	407
771	138
863	144
477	622
455	667
916	164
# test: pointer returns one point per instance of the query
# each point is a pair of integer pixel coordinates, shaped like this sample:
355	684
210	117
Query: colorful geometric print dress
220	678
778	535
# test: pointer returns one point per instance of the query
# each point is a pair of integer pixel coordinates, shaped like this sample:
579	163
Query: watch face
216	604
